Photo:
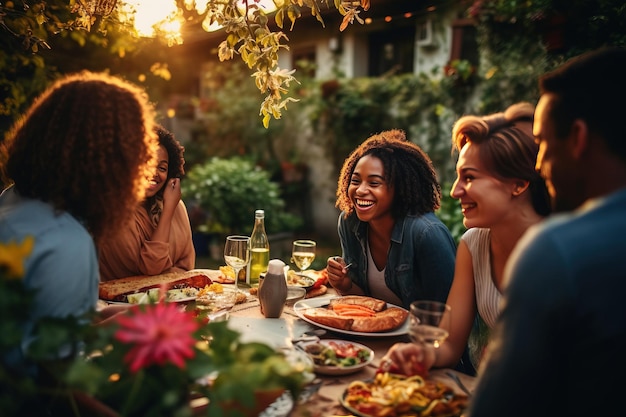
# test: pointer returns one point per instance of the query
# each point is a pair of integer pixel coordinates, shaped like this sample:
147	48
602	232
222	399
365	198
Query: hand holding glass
429	322
237	254
303	253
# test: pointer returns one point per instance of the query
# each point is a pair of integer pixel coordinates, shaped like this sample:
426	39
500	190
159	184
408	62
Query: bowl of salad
337	357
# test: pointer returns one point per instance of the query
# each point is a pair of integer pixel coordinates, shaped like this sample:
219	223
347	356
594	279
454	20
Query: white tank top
487	294
376	281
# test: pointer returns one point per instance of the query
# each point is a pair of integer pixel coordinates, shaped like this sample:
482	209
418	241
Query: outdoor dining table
247	319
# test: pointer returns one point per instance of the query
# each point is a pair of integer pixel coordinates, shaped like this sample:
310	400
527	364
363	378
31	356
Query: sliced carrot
337	307
355	314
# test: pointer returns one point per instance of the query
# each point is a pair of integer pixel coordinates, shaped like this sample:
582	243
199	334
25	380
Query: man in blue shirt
561	336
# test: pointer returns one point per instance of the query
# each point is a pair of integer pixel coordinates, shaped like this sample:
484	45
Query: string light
405	15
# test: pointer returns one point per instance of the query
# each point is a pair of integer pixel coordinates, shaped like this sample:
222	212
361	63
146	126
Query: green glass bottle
259	249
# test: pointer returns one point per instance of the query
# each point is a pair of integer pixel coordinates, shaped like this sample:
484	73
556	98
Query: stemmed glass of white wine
237	255
303	253
429	322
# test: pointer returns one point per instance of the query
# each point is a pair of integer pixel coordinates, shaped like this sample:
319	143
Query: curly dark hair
408	169
175	151
87	146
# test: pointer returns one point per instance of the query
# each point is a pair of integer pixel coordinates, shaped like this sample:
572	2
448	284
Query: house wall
346	55
352	62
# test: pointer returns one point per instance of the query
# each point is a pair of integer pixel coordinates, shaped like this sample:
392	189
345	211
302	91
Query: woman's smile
371	196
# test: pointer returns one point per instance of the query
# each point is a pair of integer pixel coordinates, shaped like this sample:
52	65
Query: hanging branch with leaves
246	24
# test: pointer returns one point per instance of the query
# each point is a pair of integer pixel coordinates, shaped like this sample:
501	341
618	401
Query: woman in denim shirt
397	248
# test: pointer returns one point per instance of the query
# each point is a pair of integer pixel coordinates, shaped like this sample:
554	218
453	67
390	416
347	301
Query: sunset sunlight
152	17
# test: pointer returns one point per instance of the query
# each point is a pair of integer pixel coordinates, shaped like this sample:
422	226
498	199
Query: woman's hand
338	274
171	194
408	359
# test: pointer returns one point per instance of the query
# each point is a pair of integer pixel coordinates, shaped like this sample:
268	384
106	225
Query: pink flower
161	333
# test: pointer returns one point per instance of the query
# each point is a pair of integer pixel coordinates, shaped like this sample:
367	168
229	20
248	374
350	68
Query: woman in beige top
159	239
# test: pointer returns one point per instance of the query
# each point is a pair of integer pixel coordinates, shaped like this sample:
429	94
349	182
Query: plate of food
337	357
296	279
217	297
399	395
354	315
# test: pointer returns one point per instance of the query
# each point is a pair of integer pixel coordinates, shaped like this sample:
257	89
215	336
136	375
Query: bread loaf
374	316
361	300
117	289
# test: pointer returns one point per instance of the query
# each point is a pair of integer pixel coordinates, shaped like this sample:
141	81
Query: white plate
300	306
339	370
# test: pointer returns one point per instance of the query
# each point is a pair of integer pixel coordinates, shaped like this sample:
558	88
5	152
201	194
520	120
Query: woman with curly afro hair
159	241
399	251
77	165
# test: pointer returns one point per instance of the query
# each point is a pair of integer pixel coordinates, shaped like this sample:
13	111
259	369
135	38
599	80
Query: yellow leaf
13	255
279	18
345	22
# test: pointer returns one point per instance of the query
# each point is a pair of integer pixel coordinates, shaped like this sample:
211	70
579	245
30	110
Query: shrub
229	191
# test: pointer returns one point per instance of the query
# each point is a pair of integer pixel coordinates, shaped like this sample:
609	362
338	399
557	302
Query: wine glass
237	254
429	322
303	254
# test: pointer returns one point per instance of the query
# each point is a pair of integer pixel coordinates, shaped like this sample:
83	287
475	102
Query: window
303	61
392	51
464	44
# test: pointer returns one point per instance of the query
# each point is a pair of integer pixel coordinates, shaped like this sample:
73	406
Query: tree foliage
510	33
257	38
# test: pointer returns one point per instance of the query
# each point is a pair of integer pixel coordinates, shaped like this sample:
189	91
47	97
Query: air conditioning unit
425	33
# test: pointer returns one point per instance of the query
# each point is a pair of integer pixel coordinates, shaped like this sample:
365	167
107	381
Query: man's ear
519	186
578	138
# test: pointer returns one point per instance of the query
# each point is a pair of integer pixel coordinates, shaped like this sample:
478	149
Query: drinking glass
237	255
303	253
429	322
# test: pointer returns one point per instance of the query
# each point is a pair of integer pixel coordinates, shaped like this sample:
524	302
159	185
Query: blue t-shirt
560	339
63	264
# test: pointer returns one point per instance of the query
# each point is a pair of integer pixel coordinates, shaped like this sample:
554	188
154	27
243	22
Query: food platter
341	348
386	394
301	306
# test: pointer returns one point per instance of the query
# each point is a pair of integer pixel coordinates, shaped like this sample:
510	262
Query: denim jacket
420	263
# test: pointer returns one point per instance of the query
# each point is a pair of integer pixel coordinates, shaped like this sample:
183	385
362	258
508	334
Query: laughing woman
159	240
399	250
501	196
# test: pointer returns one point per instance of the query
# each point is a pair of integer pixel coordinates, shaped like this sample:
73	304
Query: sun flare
154	18
163	18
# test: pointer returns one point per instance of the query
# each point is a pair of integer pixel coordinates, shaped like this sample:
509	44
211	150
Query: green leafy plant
150	360
230	190
450	214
